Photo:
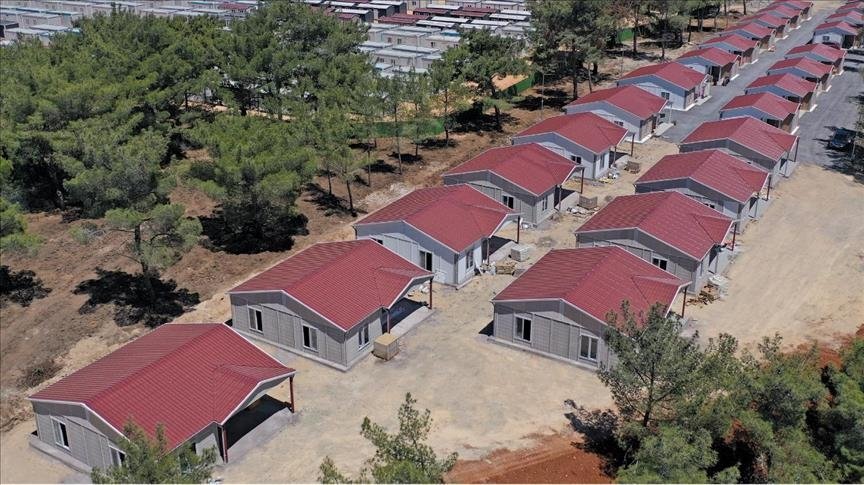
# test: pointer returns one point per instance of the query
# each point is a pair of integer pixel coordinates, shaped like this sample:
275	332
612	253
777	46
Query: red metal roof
457	216
735	40
749	132
851	7
675	73
768	103
751	28
765	19
584	129
671	217
595	281
715	169
531	166
716	56
804	64
787	82
796	4
183	376
848	17
783	11
824	51
629	98
344	282
838	25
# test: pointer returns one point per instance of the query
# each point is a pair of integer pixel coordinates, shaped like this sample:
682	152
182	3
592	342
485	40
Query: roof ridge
151	364
608	250
698	218
635	279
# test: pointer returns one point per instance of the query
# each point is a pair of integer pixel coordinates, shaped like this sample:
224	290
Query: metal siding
502	328
560	339
406	241
676	94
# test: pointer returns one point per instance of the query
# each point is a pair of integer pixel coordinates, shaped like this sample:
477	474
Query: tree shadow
407	158
475	120
438	143
326	202
236	234
136	300
21	287
598	427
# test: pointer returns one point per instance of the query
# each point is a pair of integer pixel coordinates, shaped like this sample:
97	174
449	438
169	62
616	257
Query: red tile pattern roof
796	4
837	25
849	17
183	376
584	129
735	40
751	28
824	51
715	169
457	216
595	281
629	98
780	10
766	19
768	103
531	166
749	132
344	282
787	82
715	56
672	72
670	217
805	64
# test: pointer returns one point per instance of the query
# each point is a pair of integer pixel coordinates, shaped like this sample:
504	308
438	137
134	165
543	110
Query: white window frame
619	123
521	336
254	313
469	259
378	240
592	342
576	159
666	95
509	201
313	332
363	336
424	259
711	205
118	454
62	440
657	260
544	205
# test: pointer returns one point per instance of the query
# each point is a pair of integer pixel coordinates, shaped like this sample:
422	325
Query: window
310	338
665	95
398	41
545	204
389	40
426	260
619	123
60	435
659	262
431	44
379	241
256	320
826	38
469	259
588	347
507	200
117	456
363	337
523	328
576	159
710	204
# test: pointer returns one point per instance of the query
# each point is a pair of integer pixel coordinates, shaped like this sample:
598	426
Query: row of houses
329	302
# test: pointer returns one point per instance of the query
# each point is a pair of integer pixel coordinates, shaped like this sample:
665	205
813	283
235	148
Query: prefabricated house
444	230
825	54
328	302
805	68
556	310
755	141
668	229
201	381
761	34
853	6
722	66
804	8
772	22
853	18
585	138
742	47
837	32
788	15
681	86
526	178
635	109
793	88
767	107
724	183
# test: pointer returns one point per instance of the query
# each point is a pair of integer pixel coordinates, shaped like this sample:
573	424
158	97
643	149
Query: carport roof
671	217
629	98
715	169
839	26
183	376
457	216
749	132
672	72
715	56
531	166
804	64
768	103
824	51
735	40
596	281
344	282
584	129
788	82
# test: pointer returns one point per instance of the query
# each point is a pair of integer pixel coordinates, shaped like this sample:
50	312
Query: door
425	260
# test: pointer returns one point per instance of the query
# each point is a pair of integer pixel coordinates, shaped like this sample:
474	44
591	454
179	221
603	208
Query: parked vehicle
842	139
